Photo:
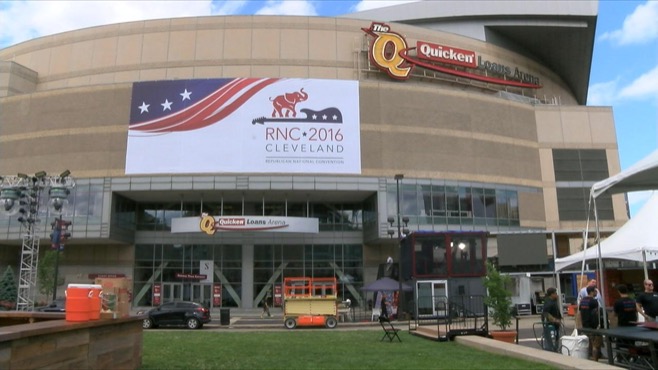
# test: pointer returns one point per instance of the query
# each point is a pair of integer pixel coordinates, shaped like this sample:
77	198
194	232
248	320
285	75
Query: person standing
384	305
647	302
583	292
625	308
552	320
589	316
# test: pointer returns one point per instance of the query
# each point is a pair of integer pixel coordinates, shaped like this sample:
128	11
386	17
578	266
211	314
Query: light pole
22	194
401	233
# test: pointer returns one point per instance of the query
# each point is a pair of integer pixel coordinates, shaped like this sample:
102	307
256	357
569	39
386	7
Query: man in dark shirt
625	308
589	316
647	302
552	319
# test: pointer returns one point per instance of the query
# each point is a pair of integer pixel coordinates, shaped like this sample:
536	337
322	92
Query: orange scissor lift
309	302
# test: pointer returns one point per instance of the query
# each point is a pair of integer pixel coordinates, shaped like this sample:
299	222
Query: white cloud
228	7
23	20
373	4
602	94
279	7
640	27
610	92
645	86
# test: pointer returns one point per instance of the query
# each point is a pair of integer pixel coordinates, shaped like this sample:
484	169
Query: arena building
212	156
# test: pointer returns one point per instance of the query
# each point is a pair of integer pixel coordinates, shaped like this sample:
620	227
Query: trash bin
225	316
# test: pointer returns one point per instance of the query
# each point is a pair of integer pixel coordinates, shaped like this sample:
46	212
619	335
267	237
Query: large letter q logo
393	64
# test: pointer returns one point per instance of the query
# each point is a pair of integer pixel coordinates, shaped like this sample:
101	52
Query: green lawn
312	349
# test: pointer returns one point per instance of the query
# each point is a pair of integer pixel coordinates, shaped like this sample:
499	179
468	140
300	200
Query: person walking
552	320
647	302
625	308
590	318
266	309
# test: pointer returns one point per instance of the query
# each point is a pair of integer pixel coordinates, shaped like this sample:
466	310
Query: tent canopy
643	175
385	284
638	235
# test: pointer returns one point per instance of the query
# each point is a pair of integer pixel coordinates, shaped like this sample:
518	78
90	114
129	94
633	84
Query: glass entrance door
202	293
172	292
432	299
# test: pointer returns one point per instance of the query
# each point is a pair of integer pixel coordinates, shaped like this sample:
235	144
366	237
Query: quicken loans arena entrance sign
390	52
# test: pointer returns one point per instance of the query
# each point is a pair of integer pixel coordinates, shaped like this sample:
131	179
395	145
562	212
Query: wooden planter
508	336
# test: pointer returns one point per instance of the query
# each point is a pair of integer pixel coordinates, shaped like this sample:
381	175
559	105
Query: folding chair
389	331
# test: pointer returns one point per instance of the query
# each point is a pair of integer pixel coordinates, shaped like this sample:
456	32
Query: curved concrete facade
66	102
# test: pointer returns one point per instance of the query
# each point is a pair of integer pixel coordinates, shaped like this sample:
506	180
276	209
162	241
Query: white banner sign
207	267
244	125
210	225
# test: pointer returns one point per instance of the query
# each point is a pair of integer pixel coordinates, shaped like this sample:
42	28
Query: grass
312	349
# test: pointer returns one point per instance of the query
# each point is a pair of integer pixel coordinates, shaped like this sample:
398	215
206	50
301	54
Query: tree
8	290
46	272
499	299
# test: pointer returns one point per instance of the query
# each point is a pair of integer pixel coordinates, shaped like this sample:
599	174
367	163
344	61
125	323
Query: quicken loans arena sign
390	52
211	224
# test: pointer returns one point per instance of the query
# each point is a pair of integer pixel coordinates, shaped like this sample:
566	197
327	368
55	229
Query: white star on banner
166	105
186	95
144	108
324	117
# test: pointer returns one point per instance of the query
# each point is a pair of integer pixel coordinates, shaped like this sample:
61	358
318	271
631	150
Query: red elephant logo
287	102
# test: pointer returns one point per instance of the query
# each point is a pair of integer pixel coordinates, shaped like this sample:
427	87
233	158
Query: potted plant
499	302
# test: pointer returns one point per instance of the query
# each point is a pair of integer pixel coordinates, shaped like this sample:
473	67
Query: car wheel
147	324
193	323
290	323
331	322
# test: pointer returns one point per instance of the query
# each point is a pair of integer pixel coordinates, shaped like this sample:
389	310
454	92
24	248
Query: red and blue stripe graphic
185	105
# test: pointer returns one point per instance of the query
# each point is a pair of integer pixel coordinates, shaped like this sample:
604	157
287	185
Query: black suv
189	314
58	305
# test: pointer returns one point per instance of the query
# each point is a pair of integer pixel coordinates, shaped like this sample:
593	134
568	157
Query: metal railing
461	315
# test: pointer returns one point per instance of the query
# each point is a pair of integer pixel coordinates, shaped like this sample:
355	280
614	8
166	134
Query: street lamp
401	233
21	194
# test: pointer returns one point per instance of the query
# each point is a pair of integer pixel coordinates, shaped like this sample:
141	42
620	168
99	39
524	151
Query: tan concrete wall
235	46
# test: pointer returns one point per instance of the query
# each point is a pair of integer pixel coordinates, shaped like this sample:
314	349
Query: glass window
409	200
465	203
502	210
297	209
232	209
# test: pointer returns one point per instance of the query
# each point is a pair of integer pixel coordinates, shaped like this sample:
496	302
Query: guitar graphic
328	115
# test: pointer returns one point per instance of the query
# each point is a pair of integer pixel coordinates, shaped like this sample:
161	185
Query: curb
531	354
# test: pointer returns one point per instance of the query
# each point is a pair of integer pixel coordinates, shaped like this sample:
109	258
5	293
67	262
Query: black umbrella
385	284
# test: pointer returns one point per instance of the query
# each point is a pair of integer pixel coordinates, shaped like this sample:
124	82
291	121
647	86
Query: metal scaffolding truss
22	193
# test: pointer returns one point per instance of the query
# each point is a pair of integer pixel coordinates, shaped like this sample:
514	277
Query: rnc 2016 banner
244	125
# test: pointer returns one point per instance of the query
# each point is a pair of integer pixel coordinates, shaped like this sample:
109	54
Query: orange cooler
95	302
78	302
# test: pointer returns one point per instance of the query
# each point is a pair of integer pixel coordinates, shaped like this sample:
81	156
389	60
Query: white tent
643	175
637	240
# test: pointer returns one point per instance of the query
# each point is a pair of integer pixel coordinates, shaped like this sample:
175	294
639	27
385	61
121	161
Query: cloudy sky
624	70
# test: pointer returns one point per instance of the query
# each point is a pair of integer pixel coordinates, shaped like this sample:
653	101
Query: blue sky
624	70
